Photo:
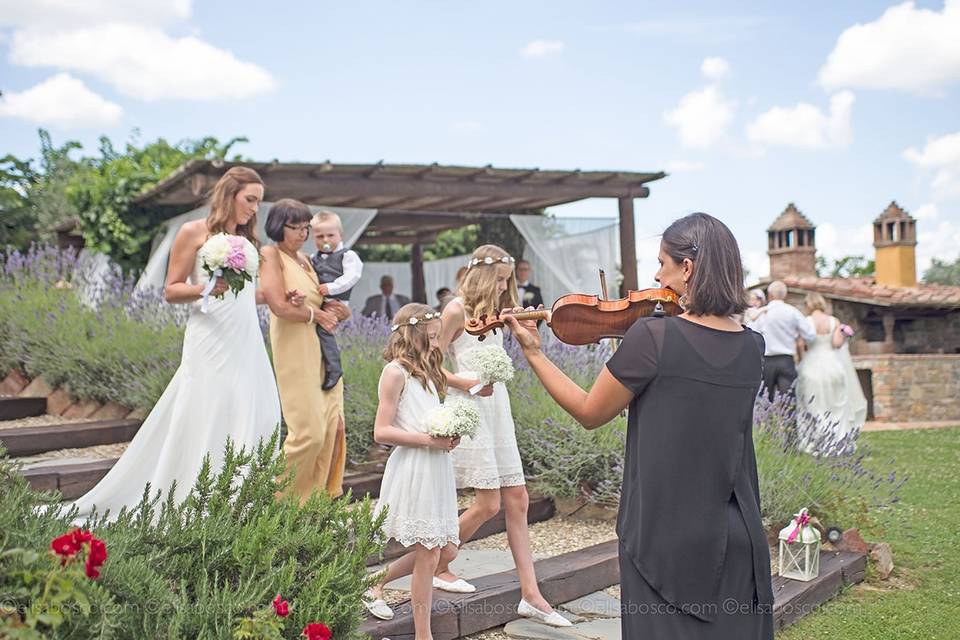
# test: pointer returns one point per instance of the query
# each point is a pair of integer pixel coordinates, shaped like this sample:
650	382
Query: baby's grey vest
329	269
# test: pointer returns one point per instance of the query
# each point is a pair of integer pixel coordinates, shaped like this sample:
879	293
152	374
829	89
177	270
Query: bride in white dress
827	383
224	386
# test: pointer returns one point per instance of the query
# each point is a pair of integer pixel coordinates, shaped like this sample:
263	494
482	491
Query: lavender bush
361	343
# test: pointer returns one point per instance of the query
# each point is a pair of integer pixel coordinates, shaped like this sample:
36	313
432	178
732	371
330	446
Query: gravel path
39	421
100	452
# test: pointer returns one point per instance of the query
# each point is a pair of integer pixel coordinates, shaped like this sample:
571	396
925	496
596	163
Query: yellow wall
897	266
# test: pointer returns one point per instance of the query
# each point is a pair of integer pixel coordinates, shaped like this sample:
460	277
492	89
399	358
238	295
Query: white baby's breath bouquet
454	418
491	364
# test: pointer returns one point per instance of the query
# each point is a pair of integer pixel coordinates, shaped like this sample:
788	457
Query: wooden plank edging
26	441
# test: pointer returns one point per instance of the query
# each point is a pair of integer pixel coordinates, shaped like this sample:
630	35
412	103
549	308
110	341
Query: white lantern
800	549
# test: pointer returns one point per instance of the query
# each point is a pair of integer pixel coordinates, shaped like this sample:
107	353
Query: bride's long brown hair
221	202
410	346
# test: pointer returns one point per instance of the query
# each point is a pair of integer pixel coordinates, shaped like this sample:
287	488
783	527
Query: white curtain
355	221
436	274
566	254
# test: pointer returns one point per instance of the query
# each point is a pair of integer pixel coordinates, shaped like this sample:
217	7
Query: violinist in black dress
694	561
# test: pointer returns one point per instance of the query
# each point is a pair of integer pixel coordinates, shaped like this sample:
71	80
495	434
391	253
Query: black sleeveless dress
694	561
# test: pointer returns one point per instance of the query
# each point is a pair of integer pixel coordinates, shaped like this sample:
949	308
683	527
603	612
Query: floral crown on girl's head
490	261
430	315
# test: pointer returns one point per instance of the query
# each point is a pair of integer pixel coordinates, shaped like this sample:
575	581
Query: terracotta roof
893	212
866	291
791	218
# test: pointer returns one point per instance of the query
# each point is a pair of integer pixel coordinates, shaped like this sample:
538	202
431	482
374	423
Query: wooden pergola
416	202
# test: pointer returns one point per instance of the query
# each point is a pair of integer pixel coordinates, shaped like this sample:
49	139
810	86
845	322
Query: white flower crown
489	261
415	320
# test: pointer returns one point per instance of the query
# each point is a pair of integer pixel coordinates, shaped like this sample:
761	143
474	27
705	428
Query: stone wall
913	387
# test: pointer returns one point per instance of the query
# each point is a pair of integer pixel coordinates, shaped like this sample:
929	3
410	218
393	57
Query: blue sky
838	107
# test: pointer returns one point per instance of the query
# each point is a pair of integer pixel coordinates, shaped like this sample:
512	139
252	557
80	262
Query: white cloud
60	101
805	126
942	242
142	62
467	126
60	13
836	242
942	156
906	49
715	68
702	117
542	48
684	166
927	211
757	264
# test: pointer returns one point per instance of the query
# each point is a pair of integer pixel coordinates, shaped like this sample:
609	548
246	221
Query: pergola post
419	293
628	246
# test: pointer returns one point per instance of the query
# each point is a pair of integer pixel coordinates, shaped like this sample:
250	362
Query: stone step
14	408
570	576
540	509
26	441
73	479
562	578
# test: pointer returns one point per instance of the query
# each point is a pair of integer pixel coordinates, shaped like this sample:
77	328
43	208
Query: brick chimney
895	241
791	245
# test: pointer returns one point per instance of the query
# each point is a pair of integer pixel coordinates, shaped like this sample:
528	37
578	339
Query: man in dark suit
529	294
387	303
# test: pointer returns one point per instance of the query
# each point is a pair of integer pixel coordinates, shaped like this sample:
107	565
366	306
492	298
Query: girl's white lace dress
491	459
418	489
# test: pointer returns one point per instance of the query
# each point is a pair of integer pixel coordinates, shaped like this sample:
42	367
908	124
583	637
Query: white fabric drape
355	221
436	274
565	254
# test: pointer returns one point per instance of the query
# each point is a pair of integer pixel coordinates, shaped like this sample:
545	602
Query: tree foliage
845	267
943	272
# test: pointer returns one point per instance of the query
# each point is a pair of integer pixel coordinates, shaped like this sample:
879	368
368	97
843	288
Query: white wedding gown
223	388
828	388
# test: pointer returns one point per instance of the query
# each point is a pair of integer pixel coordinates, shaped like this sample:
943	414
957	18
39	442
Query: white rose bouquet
454	418
231	257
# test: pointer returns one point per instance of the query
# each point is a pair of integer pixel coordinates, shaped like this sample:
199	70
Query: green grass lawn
922	597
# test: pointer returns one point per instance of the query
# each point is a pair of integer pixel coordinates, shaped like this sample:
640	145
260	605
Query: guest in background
781	325
530	295
387	303
444	295
827	384
757	308
338	269
315	446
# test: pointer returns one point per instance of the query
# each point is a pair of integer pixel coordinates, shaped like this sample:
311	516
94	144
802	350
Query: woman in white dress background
224	386
827	383
490	462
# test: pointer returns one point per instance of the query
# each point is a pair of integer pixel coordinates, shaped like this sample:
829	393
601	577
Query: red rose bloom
96	556
65	546
80	536
317	631
281	607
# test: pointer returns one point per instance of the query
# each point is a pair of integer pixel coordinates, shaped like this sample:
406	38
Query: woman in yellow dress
315	446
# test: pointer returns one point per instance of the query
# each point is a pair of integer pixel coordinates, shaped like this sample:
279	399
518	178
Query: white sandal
457	586
554	619
377	607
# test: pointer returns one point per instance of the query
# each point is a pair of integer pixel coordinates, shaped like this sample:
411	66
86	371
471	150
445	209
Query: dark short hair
716	287
283	212
443	290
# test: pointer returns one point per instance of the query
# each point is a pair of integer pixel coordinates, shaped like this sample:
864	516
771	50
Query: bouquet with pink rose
230	257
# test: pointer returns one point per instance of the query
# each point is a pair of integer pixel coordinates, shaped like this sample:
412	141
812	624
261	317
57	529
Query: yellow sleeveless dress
310	413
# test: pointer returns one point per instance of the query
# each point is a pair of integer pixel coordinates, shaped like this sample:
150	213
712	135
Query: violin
580	319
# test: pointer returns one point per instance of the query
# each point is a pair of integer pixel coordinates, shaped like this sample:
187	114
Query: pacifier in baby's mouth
326	247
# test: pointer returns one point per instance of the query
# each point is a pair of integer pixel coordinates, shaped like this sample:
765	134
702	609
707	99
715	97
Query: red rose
96	556
80	536
282	607
317	631
65	546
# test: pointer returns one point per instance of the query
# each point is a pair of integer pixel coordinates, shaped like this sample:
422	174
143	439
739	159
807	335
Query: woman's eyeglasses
297	228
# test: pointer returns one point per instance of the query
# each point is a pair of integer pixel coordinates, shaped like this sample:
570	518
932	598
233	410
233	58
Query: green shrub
199	569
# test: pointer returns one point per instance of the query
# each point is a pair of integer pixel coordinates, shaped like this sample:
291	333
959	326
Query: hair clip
489	261
430	315
696	247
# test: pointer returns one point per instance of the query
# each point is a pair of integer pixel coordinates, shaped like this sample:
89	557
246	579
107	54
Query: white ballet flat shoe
457	586
377	607
554	619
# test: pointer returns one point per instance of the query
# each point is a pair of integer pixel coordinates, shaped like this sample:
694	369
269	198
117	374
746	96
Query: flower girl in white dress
418	489
490	461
